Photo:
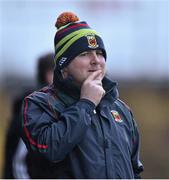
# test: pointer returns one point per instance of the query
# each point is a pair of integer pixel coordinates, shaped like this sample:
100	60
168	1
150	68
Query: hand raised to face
92	88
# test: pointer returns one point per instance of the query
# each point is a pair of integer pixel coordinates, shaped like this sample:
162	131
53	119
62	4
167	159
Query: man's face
84	64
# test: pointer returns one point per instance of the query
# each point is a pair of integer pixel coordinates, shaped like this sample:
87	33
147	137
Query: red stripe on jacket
42	146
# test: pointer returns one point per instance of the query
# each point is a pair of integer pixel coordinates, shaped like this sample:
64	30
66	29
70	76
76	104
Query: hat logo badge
92	43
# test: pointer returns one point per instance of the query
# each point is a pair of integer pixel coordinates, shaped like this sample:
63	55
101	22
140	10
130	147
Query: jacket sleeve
135	158
55	138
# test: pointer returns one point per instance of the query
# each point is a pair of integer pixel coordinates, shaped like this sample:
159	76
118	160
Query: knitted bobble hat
72	38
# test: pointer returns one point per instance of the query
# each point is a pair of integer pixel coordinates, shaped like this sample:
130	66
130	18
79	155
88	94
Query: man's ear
64	73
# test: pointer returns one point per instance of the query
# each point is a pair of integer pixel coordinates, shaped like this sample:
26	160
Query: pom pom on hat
72	38
65	18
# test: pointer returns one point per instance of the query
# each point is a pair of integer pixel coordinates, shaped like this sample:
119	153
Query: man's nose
94	58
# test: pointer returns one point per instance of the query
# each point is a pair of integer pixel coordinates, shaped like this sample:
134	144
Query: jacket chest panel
116	129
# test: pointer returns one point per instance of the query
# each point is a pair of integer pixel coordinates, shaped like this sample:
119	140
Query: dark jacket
13	136
79	140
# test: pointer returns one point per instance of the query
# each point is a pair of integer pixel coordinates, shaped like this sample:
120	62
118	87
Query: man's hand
92	88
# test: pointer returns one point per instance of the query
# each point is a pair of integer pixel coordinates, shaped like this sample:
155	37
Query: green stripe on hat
73	34
73	37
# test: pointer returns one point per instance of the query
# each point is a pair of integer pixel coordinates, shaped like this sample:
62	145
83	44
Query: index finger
94	75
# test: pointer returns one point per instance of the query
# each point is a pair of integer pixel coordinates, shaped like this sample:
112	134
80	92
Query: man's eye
100	53
83	54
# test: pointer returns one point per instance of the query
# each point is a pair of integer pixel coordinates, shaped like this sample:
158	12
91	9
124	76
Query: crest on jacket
116	116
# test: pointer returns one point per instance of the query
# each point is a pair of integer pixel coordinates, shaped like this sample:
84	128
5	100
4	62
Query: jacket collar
68	93
110	87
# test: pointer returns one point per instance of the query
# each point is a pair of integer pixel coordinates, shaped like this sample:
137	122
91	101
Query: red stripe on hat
27	132
71	27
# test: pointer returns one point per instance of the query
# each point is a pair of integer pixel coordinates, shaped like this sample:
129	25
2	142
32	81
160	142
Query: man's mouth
93	70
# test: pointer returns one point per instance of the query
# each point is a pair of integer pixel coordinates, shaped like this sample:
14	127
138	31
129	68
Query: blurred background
136	36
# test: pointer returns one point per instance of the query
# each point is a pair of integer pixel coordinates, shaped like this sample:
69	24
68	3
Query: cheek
80	67
78	70
81	73
103	64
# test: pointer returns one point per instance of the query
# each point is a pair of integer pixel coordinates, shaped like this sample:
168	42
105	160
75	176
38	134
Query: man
79	124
